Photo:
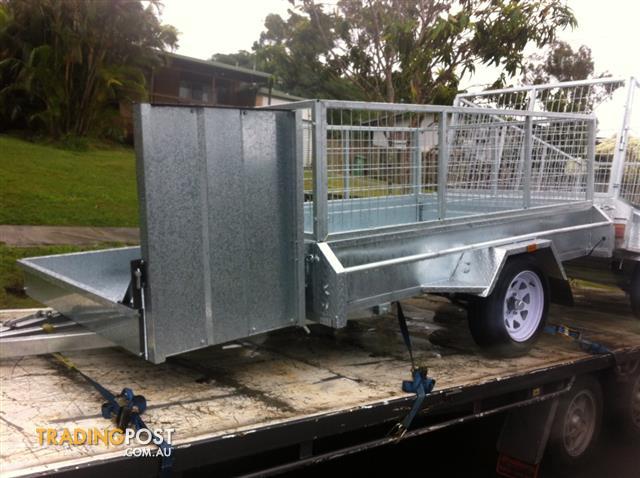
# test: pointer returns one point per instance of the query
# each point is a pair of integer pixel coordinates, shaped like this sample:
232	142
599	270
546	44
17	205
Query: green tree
242	58
560	63
64	66
401	50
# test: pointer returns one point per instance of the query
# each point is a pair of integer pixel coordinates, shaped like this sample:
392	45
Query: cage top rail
545	86
415	108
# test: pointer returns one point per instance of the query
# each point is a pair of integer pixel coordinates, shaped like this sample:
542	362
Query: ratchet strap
125	410
588	346
420	384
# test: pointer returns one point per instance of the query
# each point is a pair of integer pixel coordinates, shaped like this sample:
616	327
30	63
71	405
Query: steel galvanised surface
253	220
220	227
87	287
221	236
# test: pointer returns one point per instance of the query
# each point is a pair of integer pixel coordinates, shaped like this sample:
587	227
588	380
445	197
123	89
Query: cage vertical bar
320	176
591	158
443	155
527	162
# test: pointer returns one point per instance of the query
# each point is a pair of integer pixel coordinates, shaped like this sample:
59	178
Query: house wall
263	100
165	86
193	87
428	138
195	82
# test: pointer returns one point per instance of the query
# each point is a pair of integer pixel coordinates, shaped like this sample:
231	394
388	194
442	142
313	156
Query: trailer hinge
133	296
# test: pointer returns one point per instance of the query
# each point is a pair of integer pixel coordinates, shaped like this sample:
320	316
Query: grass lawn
42	184
360	186
12	295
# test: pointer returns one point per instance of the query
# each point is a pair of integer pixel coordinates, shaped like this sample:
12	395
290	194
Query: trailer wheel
634	291
509	321
626	406
577	423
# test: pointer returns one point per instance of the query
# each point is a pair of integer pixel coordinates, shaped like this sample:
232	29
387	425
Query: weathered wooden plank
286	375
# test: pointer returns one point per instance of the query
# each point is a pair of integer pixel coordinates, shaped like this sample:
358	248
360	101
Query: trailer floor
284	378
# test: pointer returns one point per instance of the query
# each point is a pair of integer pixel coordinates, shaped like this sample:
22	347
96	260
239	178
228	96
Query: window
196	91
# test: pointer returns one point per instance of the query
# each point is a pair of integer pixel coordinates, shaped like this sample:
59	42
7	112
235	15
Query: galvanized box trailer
256	220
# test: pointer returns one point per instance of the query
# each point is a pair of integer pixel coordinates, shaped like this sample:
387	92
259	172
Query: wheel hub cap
579	423
523	306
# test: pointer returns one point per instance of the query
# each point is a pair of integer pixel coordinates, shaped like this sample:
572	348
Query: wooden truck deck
296	389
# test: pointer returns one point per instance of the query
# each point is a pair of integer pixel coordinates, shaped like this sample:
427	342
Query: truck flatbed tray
292	389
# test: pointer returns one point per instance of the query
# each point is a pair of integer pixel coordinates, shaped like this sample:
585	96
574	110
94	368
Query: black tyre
626	405
577	423
634	291
510	320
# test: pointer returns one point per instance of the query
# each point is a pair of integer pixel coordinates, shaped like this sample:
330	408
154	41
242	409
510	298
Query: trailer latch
133	296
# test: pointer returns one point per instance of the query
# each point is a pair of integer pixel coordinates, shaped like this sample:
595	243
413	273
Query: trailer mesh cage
377	165
615	101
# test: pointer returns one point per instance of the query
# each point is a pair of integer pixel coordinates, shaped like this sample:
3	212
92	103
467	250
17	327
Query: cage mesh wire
584	98
630	187
487	166
382	166
378	165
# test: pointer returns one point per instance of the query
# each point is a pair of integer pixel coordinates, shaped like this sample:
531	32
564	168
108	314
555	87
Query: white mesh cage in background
616	104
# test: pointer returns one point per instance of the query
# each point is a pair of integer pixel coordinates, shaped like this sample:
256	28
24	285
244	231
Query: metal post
320	179
416	172
443	161
531	99
495	170
527	170
347	167
298	217
619	155
543	165
498	160
591	159
525	166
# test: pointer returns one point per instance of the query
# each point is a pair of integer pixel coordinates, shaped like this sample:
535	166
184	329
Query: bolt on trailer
616	104
258	219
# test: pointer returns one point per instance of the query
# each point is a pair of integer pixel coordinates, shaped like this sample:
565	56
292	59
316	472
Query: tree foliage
242	58
64	65
401	50
560	63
